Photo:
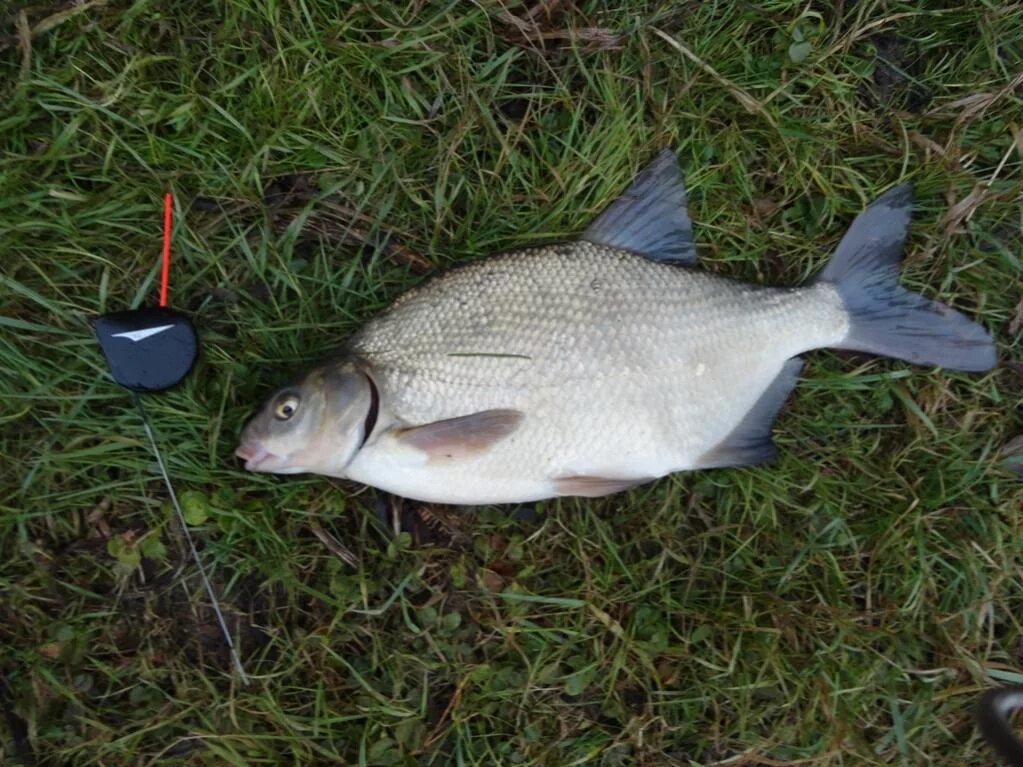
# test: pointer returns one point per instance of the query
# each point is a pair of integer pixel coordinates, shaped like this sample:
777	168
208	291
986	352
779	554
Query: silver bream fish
587	367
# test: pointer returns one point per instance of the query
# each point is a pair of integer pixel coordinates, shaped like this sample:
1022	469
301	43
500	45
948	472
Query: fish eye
286	407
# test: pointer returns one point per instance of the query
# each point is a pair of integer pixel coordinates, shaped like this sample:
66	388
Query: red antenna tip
168	206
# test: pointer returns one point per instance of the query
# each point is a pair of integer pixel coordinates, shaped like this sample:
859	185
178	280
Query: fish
587	367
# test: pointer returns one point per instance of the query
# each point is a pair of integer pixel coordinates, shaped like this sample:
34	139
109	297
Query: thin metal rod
191	544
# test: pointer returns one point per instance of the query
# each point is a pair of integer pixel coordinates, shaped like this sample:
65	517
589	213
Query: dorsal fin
750	441
650	217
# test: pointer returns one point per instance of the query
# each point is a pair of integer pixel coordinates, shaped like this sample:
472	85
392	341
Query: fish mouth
254	455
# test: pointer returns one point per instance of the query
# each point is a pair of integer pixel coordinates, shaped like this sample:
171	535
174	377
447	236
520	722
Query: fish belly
633	384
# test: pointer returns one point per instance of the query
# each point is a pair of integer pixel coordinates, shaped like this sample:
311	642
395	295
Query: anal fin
462	437
750	442
594	487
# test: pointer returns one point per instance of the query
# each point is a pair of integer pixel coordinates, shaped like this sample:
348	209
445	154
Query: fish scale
650	316
587	367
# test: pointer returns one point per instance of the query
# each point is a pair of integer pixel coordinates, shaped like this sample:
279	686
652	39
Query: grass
844	606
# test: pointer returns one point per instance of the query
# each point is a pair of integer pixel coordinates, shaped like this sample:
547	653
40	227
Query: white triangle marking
138	335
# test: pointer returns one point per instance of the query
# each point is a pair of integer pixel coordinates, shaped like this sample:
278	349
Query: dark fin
461	437
594	487
884	317
750	441
650	217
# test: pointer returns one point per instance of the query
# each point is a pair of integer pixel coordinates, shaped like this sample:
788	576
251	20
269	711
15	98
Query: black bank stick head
147	349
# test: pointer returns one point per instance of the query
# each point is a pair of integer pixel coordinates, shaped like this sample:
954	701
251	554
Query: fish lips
258	458
255	456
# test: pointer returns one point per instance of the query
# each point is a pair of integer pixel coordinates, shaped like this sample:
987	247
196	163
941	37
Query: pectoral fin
594	487
463	437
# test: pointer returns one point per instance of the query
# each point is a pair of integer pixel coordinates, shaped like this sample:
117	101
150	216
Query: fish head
316	424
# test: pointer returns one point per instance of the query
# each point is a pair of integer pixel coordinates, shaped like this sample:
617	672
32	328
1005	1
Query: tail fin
884	317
